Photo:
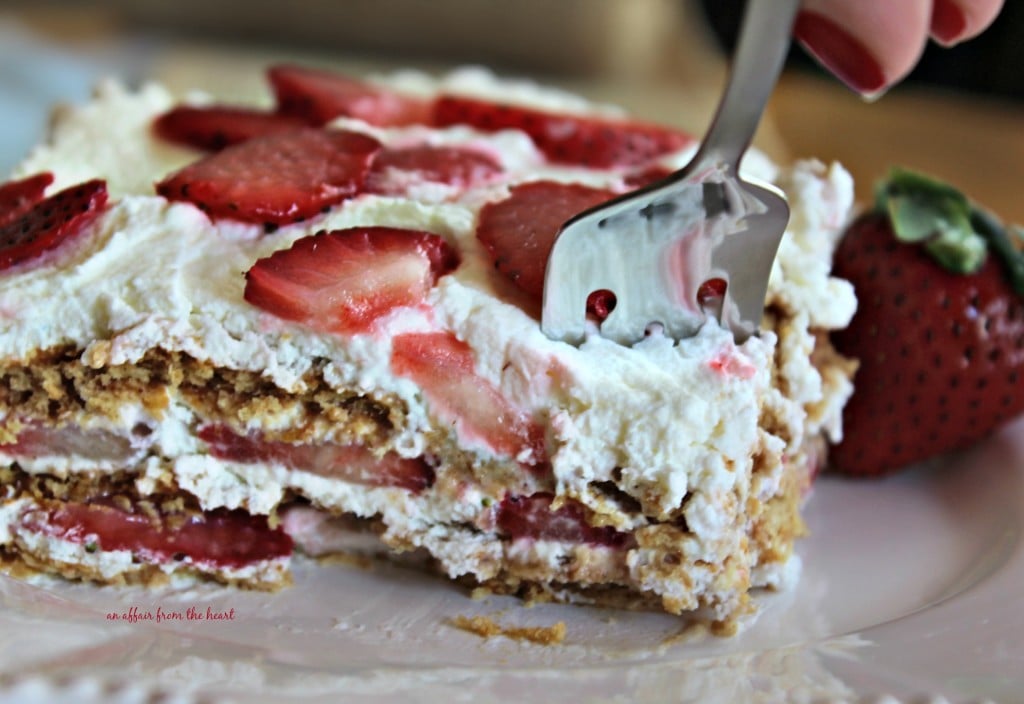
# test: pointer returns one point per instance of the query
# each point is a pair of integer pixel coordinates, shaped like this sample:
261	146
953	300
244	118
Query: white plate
911	587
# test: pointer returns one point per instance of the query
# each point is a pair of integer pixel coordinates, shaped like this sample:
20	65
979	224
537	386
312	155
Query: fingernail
948	21
839	52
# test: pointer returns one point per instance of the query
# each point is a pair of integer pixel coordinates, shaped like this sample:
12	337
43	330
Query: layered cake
229	334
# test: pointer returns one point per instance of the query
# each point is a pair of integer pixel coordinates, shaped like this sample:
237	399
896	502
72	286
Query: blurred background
959	116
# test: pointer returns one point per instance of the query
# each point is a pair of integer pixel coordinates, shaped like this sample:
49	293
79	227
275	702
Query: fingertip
949	23
868	44
840	52
955	21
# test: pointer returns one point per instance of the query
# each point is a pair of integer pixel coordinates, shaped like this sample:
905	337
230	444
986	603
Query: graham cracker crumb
486	627
481	594
347	559
691	632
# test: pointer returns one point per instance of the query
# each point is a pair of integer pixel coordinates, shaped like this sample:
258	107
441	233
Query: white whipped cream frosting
677	418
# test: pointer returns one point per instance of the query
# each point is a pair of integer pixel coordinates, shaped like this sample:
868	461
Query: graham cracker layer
57	386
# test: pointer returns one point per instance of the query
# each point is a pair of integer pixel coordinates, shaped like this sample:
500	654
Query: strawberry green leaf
905	181
924	210
958	249
913	219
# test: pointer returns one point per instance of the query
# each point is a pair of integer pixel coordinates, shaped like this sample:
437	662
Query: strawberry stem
954	231
935	214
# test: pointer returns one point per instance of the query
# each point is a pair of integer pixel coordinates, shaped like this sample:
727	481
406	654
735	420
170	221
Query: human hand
872	44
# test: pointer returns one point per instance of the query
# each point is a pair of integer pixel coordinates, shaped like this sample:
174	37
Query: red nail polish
839	52
948	21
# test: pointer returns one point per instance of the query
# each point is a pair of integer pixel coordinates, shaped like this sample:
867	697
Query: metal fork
666	251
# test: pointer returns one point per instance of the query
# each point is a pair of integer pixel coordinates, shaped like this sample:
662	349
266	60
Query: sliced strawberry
46	224
646	176
443	367
351	463
394	170
344	280
596	142
69	441
17	197
220	537
215	127
532	517
319	96
278	178
520	230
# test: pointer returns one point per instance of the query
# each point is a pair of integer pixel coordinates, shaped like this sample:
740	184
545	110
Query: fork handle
763	44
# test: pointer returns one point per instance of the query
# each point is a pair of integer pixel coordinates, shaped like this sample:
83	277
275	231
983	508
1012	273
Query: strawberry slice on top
319	96
278	178
217	126
343	281
597	142
17	197
646	176
520	230
443	366
31	229
395	169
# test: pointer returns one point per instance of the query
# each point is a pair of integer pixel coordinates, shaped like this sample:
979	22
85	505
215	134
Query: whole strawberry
939	330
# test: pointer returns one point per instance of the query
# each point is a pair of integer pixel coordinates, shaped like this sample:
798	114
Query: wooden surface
975	144
583	37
